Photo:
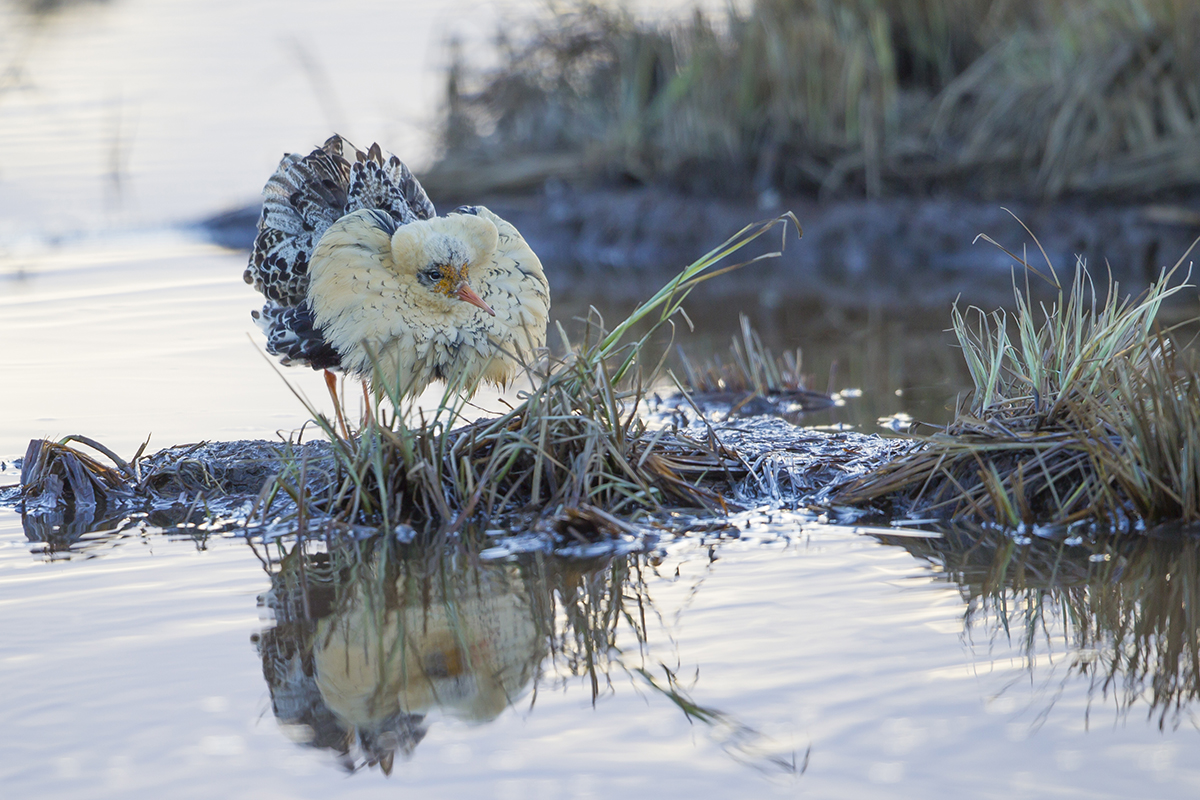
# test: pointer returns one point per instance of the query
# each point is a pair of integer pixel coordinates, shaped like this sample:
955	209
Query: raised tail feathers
307	194
304	196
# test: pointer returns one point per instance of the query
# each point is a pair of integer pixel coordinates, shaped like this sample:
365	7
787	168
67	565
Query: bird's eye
434	275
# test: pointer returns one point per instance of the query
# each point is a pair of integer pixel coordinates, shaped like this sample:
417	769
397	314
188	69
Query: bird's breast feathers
366	304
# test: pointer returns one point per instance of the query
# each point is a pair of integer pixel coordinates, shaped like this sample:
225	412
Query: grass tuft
753	373
1082	409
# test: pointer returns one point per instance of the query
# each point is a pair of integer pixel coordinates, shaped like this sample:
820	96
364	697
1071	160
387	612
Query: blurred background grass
624	139
988	98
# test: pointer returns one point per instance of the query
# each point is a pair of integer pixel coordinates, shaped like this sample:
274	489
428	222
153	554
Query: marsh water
776	655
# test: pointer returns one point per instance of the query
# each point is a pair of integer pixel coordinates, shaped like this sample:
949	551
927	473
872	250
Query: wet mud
66	492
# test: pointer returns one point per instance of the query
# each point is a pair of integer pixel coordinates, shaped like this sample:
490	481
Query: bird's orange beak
467	294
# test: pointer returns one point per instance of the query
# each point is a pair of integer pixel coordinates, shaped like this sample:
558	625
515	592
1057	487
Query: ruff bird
361	276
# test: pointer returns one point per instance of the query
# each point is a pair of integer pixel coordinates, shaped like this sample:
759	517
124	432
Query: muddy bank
618	243
67	492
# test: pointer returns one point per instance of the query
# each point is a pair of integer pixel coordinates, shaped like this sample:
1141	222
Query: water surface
798	659
813	660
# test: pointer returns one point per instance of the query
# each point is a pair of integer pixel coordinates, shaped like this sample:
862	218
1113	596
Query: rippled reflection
375	641
62	532
1121	614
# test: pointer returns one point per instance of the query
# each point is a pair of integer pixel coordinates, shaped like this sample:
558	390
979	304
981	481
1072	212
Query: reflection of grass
1130	608
373	639
577	438
1082	409
590	600
996	96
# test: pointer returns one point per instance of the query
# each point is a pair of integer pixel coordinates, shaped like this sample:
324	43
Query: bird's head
444	252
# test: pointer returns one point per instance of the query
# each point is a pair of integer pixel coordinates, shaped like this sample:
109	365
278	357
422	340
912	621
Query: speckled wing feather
291	336
382	181
301	200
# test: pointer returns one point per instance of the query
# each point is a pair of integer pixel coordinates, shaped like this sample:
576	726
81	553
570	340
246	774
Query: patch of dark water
897	253
876	364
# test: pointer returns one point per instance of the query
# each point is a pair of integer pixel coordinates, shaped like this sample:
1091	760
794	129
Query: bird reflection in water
374	641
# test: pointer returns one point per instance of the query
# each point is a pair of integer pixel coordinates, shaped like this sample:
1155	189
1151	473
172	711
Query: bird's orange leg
367	412
331	385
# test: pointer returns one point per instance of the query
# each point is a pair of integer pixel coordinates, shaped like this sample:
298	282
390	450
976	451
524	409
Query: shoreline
900	253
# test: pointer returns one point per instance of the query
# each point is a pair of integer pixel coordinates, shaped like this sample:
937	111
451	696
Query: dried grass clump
1099	97
1033	97
52	474
578	437
1084	411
